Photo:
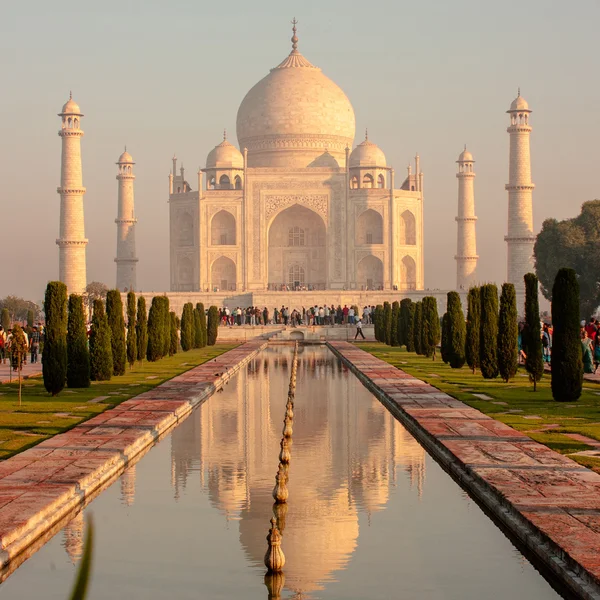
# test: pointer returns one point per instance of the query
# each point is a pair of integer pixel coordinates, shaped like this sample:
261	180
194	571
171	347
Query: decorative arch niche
223	229
369	228
408	229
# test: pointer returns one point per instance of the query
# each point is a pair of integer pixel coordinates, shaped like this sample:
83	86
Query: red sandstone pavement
40	486
29	370
558	497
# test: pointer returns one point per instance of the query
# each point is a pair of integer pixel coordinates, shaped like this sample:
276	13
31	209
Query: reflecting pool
369	516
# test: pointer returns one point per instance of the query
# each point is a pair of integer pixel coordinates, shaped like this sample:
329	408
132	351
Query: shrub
197	328
173	334
155	344
531	341
187	319
430	326
5	320
78	354
444	347
410	327
488	338
54	354
101	355
456	330
508	333
387	323
403	321
418	328
378	323
202	317
116	322
131	333
567	362
473	328
394	327
213	326
166	325
141	329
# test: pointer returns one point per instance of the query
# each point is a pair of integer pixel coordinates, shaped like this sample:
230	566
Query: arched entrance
408	274
222	275
297	250
222	229
369	228
369	273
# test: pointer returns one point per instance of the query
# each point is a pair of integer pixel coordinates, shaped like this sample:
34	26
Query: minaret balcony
522	187
71	190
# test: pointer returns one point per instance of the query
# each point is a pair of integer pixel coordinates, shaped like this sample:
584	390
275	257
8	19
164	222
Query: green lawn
42	416
512	403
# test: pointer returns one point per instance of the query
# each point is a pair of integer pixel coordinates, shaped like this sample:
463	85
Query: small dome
465	156
519	103
225	156
367	154
71	108
125	158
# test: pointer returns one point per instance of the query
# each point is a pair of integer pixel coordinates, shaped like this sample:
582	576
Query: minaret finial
70	95
224	134
125	147
294	36
519	91
366	134
465	146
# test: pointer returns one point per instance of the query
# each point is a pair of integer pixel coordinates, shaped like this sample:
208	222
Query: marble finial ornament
294	36
274	558
287	427
274	583
224	135
284	454
289	410
280	491
280	511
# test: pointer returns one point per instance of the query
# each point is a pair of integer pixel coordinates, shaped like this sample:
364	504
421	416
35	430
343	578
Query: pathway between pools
42	486
545	500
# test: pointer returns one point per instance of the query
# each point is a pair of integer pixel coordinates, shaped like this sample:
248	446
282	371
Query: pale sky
165	77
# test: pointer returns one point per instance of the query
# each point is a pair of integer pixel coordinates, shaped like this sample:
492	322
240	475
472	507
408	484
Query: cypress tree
430	326
418	327
101	355
473	328
395	319
531	341
197	329
187	317
456	330
78	354
410	327
141	329
166	325
444	349
378	323
30	319
403	321
155	344
131	332
213	326
202	315
6	320
567	360
508	333
116	322
387	323
173	334
488	337
54	355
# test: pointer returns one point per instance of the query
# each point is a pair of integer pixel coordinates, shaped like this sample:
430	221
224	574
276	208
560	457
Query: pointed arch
224	182
381	181
223	274
408	273
408	229
369	273
223	229
185	226
369	228
368	181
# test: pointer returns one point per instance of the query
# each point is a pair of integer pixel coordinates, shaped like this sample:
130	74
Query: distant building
466	246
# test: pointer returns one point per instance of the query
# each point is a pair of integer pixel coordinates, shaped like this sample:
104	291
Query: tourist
351	315
2	345
546	343
586	348
34	345
359	330
596	352
345	313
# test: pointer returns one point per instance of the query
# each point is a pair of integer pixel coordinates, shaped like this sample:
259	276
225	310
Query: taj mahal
297	209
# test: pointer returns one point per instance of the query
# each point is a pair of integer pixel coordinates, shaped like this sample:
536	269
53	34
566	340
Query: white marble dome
290	116
367	154
465	156
125	158
519	103
225	156
71	108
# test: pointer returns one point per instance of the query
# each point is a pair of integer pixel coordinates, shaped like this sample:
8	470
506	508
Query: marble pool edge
576	579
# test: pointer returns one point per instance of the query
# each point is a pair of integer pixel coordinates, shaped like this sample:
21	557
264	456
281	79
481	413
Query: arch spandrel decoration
277	203
359	209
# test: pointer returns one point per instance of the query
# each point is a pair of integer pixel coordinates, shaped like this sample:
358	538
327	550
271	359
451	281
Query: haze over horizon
424	78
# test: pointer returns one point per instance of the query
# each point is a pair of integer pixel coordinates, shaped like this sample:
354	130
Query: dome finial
224	134
366	134
519	92
465	146
125	147
70	95
294	36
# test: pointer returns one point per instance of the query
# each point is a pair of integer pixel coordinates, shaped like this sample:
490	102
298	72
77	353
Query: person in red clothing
592	328
345	312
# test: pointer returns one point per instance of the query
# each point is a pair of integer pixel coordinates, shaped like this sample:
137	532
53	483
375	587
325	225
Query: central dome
293	114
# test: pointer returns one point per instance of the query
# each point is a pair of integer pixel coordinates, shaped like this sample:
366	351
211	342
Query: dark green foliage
572	243
54	354
403	321
30	318
197	329
531	340
202	317
213	326
166	328
430	326
187	321
418	328
141	329
457	331
116	322
101	355
410	327
508	333
155	344
444	348
173	334
5	320
85	567
387	323
473	328
78	354
131	332
488	336
378	323
567	363
394	327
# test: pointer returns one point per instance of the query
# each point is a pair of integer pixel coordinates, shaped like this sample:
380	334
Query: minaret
520	236
71	242
466	245
126	259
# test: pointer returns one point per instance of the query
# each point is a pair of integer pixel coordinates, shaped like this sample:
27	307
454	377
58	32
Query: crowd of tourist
33	339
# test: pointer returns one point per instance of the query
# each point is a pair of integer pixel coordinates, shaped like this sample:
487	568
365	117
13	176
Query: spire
125	147
294	36
519	92
366	135
465	146
295	59
224	135
70	95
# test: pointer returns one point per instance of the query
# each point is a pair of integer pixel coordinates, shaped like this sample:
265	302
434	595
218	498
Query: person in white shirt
359	330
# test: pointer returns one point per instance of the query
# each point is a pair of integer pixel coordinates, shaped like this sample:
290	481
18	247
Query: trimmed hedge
202	317
187	324
488	336
174	338
101	355
54	354
141	329
78	354
508	333
473	332
213	326
430	326
394	326
387	323
531	340
116	322
456	331
418	328
131	332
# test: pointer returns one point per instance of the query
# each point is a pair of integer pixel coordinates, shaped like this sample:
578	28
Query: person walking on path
359	330
586	348
34	345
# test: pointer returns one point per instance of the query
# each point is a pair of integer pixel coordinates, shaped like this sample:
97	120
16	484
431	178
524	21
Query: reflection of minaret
128	486
73	537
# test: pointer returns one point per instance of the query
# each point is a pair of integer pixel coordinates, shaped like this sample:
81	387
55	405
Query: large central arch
297	240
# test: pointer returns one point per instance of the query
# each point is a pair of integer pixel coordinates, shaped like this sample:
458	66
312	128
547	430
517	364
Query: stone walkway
41	486
29	370
548	502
